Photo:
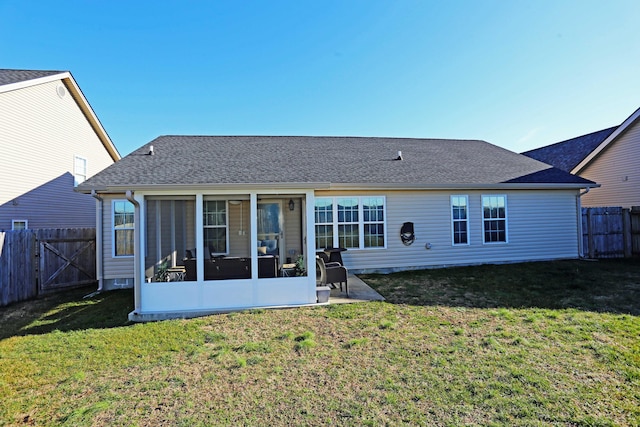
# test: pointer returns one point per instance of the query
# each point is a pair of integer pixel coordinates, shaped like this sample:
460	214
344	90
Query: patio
359	291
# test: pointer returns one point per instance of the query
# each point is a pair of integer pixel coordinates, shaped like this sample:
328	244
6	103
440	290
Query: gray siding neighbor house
50	140
200	224
610	157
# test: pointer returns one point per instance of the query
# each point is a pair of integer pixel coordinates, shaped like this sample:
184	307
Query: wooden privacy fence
611	232
35	262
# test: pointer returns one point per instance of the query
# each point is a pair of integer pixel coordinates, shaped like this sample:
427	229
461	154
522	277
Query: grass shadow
67	311
611	286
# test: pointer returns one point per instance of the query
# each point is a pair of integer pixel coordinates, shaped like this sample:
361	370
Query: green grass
531	344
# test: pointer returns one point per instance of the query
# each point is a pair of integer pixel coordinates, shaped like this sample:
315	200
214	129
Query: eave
189	188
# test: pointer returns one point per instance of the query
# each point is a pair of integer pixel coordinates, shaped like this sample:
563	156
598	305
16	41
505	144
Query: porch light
292	205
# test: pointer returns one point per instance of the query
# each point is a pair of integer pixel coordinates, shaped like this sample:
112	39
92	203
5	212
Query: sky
519	74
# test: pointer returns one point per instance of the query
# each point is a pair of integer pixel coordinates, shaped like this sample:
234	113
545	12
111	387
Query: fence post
590	238
626	232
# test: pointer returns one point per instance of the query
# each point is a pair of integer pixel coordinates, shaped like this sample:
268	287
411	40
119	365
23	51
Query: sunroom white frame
201	296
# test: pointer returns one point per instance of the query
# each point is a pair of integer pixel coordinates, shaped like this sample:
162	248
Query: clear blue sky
519	74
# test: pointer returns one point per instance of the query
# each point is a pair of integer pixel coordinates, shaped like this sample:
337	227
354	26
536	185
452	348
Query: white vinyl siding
616	169
41	134
542	226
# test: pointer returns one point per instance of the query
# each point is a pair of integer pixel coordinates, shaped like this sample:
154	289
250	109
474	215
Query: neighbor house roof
566	155
573	155
16	76
11	80
323	162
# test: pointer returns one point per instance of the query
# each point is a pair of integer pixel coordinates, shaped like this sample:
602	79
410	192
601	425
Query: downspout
580	231
136	253
99	231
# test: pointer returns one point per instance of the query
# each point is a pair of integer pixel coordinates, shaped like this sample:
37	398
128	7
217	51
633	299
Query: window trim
113	229
505	219
453	220
361	222
85	175
17	221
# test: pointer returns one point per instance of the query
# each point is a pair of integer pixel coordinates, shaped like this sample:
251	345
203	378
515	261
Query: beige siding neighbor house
201	224
610	157
50	141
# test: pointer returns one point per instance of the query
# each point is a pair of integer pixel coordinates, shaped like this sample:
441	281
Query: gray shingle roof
280	160
14	76
568	154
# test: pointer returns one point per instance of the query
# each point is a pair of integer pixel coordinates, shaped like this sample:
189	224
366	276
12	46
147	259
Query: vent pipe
151	150
399	155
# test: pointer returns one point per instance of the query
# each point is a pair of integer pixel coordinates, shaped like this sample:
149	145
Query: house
50	141
609	157
229	215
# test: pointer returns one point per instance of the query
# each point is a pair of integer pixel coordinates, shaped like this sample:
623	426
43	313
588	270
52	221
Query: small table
335	254
288	270
176	274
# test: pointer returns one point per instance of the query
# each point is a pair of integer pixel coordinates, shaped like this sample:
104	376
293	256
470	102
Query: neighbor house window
215	226
460	219
19	224
123	228
79	170
494	215
350	222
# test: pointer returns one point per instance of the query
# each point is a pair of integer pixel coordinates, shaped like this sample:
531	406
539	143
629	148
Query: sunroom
209	252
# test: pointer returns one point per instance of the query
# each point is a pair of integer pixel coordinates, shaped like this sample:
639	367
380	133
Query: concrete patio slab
359	291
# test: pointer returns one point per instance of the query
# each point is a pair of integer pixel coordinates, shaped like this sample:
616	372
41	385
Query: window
460	220
19	224
494	215
350	222
215	226
373	220
123	228
324	223
79	170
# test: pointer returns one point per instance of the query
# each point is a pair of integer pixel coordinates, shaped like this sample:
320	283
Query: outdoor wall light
292	205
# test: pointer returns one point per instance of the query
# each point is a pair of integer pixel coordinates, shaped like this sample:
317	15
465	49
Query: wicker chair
330	273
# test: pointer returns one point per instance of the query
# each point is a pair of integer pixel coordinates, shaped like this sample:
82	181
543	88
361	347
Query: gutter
137	294
99	232
99	251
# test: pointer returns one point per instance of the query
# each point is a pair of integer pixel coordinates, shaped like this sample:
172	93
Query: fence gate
66	258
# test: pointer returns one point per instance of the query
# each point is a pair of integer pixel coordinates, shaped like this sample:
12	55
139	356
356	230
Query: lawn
553	343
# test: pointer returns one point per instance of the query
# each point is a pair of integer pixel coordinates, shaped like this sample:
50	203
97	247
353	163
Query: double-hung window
215	226
460	220
79	170
123	228
350	222
494	218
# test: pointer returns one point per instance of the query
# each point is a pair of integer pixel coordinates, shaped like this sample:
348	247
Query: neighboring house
50	140
610	157
232	211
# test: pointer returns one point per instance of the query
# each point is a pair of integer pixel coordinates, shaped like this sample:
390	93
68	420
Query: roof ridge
318	136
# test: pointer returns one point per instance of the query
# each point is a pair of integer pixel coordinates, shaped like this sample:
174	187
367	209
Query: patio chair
330	273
